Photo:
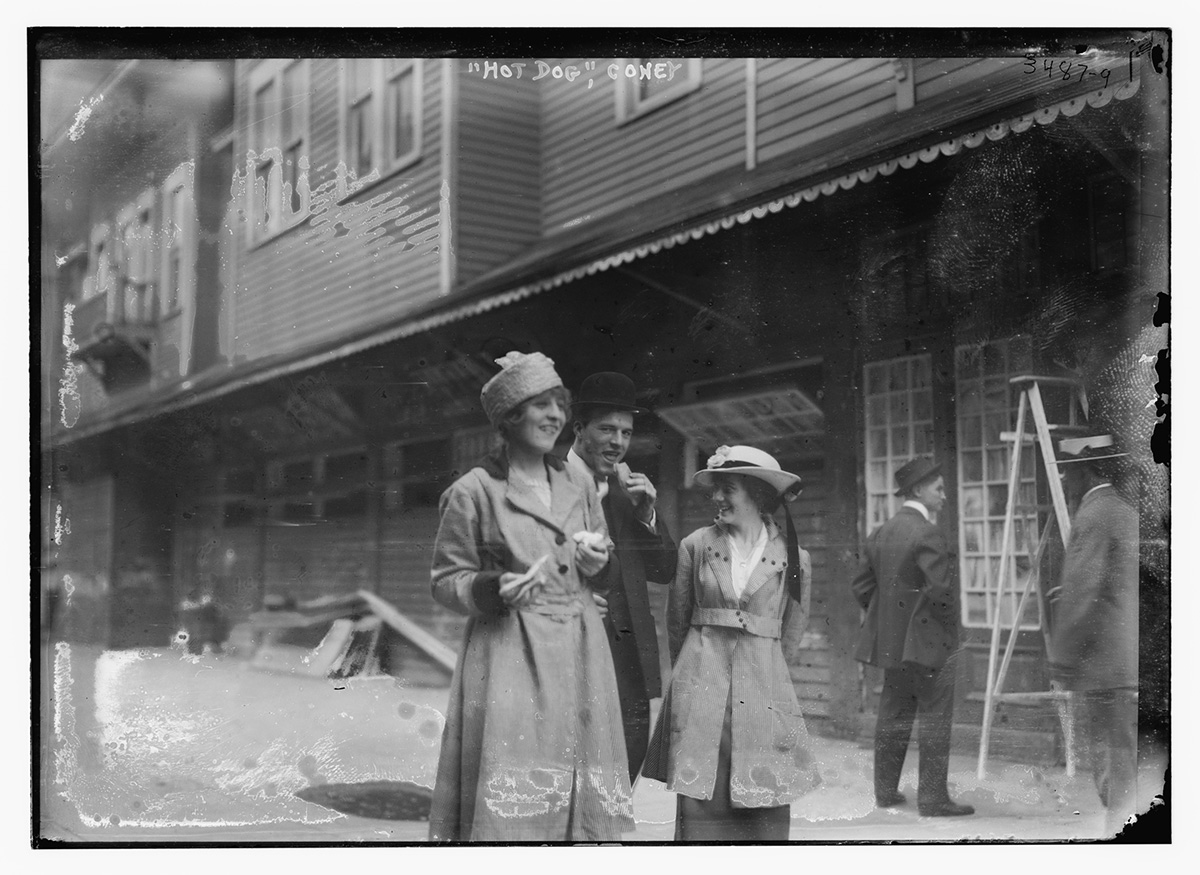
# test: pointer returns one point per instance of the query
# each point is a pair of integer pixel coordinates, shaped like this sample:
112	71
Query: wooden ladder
1031	402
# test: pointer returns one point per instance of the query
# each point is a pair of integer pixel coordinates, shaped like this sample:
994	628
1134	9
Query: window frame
629	106
266	147
1027	481
173	300
891	460
384	162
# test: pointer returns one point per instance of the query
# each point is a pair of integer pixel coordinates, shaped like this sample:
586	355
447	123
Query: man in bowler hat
602	415
1094	621
908	589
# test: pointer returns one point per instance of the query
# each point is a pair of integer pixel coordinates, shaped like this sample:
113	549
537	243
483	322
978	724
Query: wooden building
840	260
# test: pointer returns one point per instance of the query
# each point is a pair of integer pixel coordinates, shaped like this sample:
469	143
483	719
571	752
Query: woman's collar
496	463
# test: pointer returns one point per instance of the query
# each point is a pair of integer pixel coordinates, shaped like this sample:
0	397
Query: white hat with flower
753	463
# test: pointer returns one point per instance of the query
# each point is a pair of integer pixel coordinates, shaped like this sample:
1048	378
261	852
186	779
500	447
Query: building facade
842	261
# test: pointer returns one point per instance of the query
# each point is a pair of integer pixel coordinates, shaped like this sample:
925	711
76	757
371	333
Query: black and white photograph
486	437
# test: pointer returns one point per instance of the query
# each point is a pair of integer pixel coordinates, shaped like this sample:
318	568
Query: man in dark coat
908	589
602	416
1094	621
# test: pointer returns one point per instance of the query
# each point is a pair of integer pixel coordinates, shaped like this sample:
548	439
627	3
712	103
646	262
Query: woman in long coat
730	737
532	748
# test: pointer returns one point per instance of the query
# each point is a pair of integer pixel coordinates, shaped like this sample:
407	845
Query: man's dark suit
641	555
908	588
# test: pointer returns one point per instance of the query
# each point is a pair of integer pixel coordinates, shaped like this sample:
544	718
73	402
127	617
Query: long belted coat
533	748
722	643
909	590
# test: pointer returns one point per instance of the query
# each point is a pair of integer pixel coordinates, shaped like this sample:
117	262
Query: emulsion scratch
68	393
81	116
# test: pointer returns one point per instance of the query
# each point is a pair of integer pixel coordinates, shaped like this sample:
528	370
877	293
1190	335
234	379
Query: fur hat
522	376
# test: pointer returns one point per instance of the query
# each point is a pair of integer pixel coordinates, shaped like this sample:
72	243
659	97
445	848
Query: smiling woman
533	748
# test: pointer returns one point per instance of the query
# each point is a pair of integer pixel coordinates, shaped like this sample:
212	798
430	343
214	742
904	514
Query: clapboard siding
304	562
497	207
801	101
333	274
406	555
935	76
592	166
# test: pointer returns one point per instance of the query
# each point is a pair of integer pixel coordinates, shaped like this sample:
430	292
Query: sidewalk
159	746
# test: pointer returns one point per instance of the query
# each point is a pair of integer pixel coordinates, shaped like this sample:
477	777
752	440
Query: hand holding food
592	539
591	552
518	589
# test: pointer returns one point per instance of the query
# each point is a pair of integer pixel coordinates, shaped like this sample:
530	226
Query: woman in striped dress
730	738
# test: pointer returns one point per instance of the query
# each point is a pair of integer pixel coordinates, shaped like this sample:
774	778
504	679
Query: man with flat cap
1094	621
602	415
908	590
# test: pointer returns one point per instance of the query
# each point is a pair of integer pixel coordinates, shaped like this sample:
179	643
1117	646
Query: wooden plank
332	647
410	630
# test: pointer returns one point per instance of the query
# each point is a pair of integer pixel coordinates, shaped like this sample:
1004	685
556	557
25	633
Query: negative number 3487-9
1067	69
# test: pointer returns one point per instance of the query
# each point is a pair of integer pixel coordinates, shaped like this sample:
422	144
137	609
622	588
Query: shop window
646	84
899	427
471	445
380	118
986	407
347	506
776	410
239	514
278	162
416	473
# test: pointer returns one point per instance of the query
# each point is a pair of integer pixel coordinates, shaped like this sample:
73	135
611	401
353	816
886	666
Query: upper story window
380	118
645	84
279	144
178	239
135	260
100	270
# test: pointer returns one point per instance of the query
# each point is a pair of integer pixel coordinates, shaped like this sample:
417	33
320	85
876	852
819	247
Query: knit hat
522	376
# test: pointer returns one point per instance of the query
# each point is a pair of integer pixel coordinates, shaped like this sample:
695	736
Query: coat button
563	569
560	540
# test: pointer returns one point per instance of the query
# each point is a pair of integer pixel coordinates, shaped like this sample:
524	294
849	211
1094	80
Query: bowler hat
609	389
914	472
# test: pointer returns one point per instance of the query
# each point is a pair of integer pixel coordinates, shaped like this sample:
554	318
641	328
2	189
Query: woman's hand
518	590
591	556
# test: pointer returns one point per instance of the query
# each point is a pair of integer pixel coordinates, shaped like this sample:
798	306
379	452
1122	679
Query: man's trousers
914	691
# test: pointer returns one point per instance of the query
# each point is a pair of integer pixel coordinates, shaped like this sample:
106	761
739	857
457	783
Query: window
135	259
987	406
278	159
101	271
899	424
645	84
325	487
380	117
776	409
417	473
179	240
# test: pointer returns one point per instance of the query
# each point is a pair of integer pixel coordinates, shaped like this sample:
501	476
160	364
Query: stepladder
1010	605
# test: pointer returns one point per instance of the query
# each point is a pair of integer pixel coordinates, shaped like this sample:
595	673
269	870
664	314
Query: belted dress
730	678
